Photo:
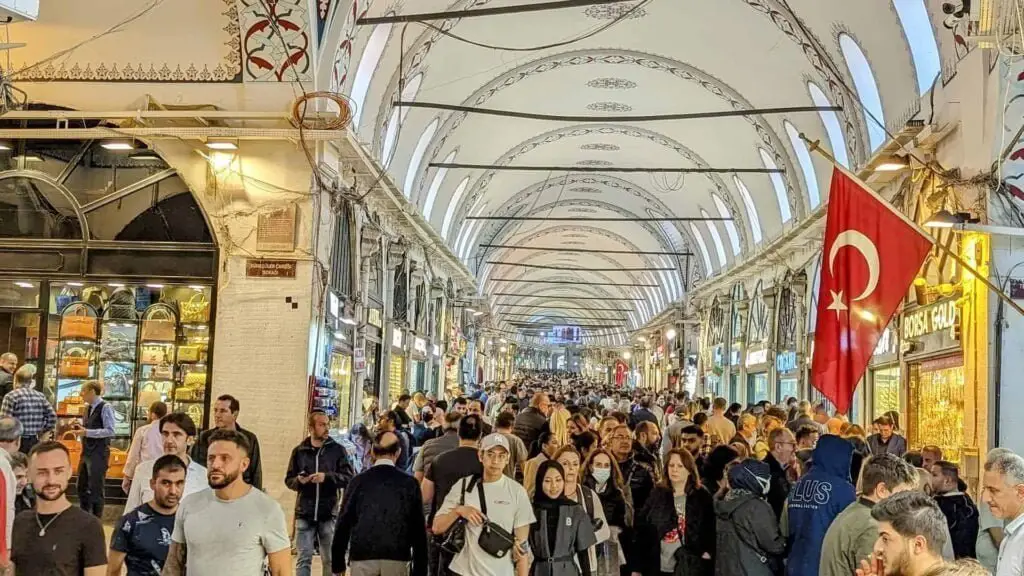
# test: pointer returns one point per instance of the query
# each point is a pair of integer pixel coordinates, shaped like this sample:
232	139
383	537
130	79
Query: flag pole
814	146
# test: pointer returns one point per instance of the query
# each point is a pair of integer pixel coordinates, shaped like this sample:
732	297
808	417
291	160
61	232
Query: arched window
716	238
730	226
832	126
446	224
703	248
806	165
409	93
917	26
417	156
867	89
748	203
435	185
778	184
367	66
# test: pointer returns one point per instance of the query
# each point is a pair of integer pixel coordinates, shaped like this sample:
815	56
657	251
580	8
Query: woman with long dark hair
675	531
562	534
601	474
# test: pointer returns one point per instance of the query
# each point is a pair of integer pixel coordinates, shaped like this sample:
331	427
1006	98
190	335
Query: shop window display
886	391
936	405
141	343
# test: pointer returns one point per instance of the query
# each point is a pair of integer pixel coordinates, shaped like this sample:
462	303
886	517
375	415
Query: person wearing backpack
571	463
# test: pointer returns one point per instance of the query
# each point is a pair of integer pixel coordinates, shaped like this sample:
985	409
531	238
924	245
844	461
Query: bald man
381	519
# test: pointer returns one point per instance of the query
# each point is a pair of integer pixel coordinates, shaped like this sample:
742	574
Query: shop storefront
418	367
756	363
332	391
396	370
883	378
935	378
787	370
372	349
712	350
107	274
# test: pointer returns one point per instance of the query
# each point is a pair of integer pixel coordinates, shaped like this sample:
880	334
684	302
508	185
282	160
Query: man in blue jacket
814	502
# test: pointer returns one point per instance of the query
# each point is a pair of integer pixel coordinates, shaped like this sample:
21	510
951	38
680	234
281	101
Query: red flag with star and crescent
870	256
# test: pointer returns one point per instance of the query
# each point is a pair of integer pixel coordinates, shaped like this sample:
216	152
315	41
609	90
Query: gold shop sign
929	319
374	317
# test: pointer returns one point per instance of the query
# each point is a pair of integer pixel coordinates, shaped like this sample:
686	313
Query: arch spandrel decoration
758	317
787	330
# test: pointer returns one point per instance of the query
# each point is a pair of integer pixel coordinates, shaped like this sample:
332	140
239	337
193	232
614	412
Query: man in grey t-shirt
231	528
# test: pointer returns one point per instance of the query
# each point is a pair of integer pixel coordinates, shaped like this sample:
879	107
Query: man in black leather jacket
318	469
532	420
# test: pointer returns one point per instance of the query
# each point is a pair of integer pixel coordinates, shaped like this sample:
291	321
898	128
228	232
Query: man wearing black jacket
225	417
782	446
381	524
318	469
532	420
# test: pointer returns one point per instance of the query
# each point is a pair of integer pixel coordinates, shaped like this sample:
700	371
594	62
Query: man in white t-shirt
232	528
178	433
508	506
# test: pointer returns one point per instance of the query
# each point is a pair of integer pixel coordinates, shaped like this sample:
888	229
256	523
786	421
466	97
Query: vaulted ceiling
869	58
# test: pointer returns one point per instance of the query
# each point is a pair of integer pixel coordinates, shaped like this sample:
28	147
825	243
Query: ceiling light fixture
478	313
24	284
29	157
222	145
154	286
118	145
76	284
115	285
470	310
890	167
5	146
144	155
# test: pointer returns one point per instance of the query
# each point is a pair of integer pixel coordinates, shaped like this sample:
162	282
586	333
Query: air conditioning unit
18	10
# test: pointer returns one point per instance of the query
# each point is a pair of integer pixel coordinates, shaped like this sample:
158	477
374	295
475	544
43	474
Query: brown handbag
159	324
75	364
70	441
78	321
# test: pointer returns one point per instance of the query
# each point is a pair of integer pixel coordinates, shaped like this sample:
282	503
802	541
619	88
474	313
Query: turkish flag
870	256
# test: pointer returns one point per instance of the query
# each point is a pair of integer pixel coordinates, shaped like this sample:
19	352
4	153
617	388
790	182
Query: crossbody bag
494	539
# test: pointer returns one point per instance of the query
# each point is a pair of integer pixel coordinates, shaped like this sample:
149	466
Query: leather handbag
195	310
70	441
116	346
454	539
71	405
116	462
195	380
64	298
159	324
162	371
116	381
75	363
148	394
78	321
195	412
189	353
154	355
121	305
493	539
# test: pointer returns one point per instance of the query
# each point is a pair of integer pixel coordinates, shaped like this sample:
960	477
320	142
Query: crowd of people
546	475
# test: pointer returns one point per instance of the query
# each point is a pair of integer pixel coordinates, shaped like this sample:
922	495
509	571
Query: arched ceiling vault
660	57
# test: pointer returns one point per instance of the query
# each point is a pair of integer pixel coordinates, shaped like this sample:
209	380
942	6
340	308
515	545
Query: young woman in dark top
560	537
675	531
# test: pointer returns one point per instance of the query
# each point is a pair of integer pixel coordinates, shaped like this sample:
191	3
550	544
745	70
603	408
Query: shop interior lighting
478	313
144	155
76	284
891	167
503	341
154	286
115	285
470	310
118	145
348	321
339	336
24	284
5	146
197	288
671	334
627	355
222	145
490	342
29	158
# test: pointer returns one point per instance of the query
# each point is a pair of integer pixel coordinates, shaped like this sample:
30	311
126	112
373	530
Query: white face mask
601	474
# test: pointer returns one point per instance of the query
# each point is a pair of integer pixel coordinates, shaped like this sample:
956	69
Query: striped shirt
31	408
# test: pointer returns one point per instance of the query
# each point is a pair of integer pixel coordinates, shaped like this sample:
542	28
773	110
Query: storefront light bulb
76	284
478	313
470	310
24	284
670	334
117	146
222	145
221	161
115	285
627	355
339	336
154	286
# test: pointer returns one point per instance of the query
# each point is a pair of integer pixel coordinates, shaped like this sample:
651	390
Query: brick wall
260	357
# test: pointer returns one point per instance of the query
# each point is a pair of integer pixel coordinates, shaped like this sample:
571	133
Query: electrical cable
583	36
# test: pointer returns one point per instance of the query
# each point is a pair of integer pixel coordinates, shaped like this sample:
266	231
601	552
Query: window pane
31	208
715	237
703	249
806	165
417	157
435	186
748	202
832	126
730	226
867	89
367	66
450	212
923	47
778	184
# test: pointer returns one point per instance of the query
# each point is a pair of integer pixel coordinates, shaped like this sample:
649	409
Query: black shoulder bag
454	538
494	539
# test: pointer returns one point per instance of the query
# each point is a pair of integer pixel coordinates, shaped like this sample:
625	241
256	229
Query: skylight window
367	66
806	165
832	126
435	185
867	89
748	203
715	237
703	249
417	156
778	184
917	27
446	224
409	93
730	226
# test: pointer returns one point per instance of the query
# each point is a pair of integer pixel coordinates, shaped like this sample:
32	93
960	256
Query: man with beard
225	417
232	528
142	537
56	537
178	432
911	535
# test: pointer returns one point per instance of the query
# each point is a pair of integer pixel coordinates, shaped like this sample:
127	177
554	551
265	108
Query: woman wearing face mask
560	537
675	532
571	462
601	474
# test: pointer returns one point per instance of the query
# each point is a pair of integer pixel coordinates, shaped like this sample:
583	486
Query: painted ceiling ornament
612	84
600	146
585	190
275	40
594	163
613	11
609	107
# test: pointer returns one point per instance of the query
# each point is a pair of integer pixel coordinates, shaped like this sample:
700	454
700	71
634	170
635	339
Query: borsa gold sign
934	318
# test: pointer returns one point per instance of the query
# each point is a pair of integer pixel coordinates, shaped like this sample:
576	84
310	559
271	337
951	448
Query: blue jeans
306	534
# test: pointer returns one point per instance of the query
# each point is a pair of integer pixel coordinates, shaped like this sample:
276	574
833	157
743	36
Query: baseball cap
495	440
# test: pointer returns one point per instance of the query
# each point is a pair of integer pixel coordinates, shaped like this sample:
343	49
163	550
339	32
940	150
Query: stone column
387	296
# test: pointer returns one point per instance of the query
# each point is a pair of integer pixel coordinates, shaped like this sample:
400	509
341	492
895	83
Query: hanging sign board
420	345
360	359
258	268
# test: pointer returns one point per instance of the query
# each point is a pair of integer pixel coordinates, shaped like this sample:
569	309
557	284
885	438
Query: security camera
957	11
948	7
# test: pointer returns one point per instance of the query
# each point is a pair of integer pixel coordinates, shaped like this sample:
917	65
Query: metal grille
401	307
341	253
